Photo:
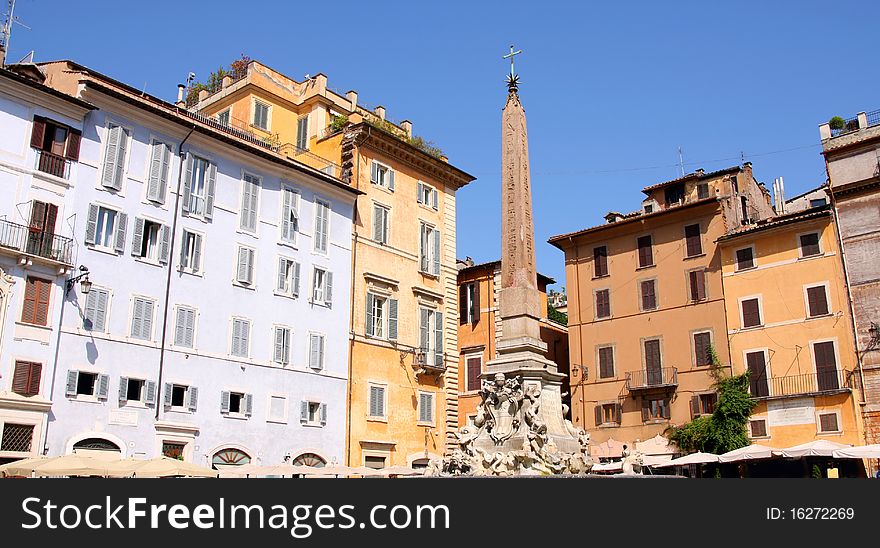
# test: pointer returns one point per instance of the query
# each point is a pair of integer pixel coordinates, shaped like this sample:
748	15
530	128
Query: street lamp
84	284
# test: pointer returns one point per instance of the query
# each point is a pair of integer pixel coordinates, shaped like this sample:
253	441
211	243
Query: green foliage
214	83
555	315
837	123
725	429
338	123
420	143
425	146
816	472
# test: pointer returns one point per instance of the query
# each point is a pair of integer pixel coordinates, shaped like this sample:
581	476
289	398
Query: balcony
666	377
53	164
21	239
831	382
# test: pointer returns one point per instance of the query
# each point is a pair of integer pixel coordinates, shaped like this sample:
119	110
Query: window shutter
137	239
98	324
328	288
391	180
323	414
193	398
701	348
250	266
26	378
137	318
423	248
279	346
373	412
475	303
419	192
255	200
147	324
368	329
242	275
244	221
598	413
28	311
72	380
646	255
111	157
374	172
209	191
187	182
463	304
245	332
151	393
618	411
304	411
423	412
436	201
91	224
314	352
295	282
377	224
123	389
236	337
167	396
41	313
666	409
190	328
693	243
438	339
74	137
224	402
423	330
248	405
155	179
38	134
392	319
163	173
120	158
281	281
286	207
695	406
197	254
646	410
751	313
103	387
180	327
818	301
165	243
121	226
436	252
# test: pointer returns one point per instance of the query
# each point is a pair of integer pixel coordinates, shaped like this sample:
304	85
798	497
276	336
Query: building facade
646	305
480	329
852	159
403	326
210	330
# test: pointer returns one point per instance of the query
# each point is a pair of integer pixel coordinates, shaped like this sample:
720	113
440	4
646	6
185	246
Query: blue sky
611	89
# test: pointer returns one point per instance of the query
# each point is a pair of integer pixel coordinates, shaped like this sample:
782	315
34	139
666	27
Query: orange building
479	331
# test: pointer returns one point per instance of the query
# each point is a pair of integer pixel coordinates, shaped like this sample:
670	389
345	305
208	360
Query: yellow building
790	326
404	368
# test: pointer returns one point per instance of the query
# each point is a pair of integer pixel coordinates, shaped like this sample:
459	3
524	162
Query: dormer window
675	194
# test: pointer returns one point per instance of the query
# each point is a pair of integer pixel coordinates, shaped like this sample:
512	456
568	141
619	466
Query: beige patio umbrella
71	465
693	458
159	467
402	471
859	452
23	467
750	452
815	448
328	470
366	472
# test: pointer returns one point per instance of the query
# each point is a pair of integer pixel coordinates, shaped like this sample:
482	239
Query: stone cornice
10	400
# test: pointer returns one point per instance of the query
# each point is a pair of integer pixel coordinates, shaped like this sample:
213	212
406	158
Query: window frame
386	223
257	182
702	251
189	212
383	175
641	295
153	304
702	272
596	316
250	325
768	373
827	290
199	237
49	302
467	376
693	335
195	328
761	319
766	428
268	106
837	414
319	204
599	348
384	386
109	292
433	409
295	208
736	266
800	246
286	411
653	262
113	231
607	268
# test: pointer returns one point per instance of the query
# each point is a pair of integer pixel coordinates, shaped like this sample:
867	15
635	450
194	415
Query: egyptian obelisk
521	352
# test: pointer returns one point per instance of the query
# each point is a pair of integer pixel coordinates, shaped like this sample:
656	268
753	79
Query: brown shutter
476	303
462	304
41	314
598	411
618	411
606	362
72	150
809	244
38	135
649	299
603	308
667	409
692	240
695	406
757	373
751	313
646	410
646	256
30	301
38	215
21	378
698	285
744	258
36	369
818	301
701	348
473	374
600	261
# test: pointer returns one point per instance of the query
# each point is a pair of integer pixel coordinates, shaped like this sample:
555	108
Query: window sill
151	262
646	267
377	419
751	327
830	434
606	318
236	416
655	421
130	404
285	295
429	275
53	178
382	187
276	421
199	273
310	424
819	316
244	286
102	249
426	424
291	245
322	304
746	269
181	410
235	357
429	208
808	257
698	256
196	216
609	425
34	325
85	399
646	310
247	232
602	277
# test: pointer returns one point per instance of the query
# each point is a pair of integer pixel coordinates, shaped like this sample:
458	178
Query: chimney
407	127
352	97
180	91
613	217
782	194
700	172
380	112
203	94
227	81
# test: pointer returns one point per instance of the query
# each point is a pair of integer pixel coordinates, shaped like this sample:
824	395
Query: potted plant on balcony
837	123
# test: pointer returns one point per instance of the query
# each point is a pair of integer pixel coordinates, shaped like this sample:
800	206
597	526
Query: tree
555	315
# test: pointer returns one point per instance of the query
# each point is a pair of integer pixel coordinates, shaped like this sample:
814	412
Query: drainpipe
159	385
44	448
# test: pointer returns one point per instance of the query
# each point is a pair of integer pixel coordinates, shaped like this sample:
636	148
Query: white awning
693	458
815	448
859	452
751	452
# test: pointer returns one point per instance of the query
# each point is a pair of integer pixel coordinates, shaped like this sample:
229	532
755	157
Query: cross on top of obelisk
512	79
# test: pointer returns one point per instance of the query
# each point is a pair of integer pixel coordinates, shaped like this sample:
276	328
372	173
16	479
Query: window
810	245
56	145
322	225
281	354
426	408
105	228
377	402
817	301
316	351
191	252
90	385
244	272
608	414
826	366
382	175
818	202
313	413
600	261
606	362
250	194
758	428
41	230
648	293
474	367
261	115
142	318
745	258
603	303
180	397
377	463
751	313
236	403
693	240
380	224
160	163
469	303
429	249
828	423
173	450
302	132
758	381
289	215
198	190
431	337
653	362
224	117
322	286
150	240
702	348
35	309
137	390
114	156
17	438
185	327
648	208
427	195
655	409
381	317
744	204
697	282
703	404
241	332
277	409
288	277
646	252
26	378
674	194
702	191
95	312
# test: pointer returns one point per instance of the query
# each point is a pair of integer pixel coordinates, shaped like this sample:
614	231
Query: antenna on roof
680	162
6	32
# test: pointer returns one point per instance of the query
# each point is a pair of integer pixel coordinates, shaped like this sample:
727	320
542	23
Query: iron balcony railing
35	242
53	164
873	118
652	378
799	385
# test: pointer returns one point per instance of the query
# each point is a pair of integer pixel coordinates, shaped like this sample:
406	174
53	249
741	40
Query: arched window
309	459
230	456
96	444
420	464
